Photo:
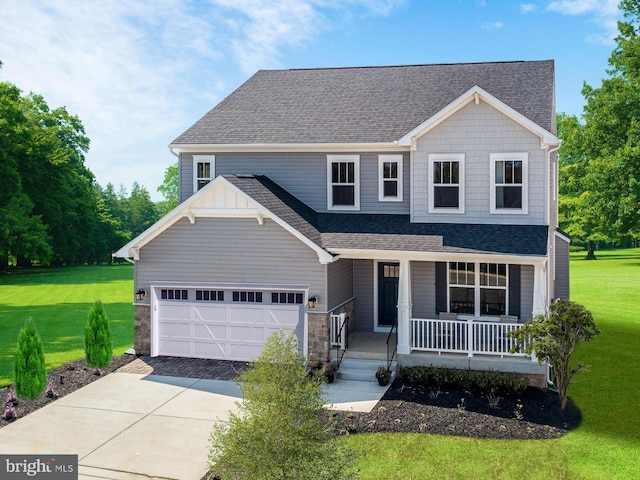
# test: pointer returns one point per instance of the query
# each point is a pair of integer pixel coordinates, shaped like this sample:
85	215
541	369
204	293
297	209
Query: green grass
607	443
58	300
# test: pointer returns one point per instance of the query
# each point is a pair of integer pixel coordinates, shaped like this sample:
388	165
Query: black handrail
395	350
339	342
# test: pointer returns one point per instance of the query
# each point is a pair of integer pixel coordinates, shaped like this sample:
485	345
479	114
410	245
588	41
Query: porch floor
373	346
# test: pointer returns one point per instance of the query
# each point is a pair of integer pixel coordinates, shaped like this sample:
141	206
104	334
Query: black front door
388	275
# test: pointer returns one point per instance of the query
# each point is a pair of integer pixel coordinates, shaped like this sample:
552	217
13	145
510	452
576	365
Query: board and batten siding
304	175
339	282
230	250
364	294
477	131
423	289
561	282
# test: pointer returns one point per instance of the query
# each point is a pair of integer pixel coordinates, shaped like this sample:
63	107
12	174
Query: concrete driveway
135	426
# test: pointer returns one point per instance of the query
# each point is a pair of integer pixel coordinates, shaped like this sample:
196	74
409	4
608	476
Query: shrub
496	383
29	366
98	348
554	336
278	432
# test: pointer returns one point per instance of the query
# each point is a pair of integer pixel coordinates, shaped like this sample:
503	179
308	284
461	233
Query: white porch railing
463	336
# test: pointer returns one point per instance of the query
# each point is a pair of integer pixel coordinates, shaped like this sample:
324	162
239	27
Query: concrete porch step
362	370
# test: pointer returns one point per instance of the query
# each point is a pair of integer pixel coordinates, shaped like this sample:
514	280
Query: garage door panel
175	329
208	331
221	331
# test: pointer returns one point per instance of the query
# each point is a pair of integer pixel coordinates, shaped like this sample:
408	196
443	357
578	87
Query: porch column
540	288
404	308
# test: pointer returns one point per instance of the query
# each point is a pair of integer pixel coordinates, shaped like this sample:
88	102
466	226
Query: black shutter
514	290
441	287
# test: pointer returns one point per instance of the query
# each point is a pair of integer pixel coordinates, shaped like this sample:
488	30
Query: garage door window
287	297
247	297
210	295
171	294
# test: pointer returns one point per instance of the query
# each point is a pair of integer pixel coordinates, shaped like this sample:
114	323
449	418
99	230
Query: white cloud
527	8
605	13
135	72
497	25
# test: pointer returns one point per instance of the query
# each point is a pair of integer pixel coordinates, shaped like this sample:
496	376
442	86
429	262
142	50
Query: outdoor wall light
313	301
140	294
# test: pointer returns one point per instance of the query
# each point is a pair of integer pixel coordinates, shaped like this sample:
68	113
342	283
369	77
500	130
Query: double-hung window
446	183
343	182
203	170
478	289
390	178
509	183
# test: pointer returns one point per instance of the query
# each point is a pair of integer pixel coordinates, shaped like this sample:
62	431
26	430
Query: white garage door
220	331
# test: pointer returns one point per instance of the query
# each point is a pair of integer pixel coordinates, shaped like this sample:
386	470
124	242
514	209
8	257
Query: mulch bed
534	414
65	380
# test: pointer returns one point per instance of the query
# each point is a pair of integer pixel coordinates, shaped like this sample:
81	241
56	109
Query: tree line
52	210
599	177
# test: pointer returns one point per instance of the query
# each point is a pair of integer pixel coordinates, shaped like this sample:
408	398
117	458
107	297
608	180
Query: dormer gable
477	95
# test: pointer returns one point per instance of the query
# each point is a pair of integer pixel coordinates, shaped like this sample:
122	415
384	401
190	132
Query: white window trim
450	157
355	159
496	157
476	291
382	159
203	159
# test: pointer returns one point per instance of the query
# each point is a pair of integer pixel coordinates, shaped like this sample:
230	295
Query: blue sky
139	72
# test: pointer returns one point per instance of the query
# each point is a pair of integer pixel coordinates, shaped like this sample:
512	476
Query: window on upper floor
343	182
390	178
478	289
203	170
509	183
446	183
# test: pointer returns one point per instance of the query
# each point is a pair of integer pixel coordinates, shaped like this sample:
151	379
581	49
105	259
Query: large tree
170	190
611	138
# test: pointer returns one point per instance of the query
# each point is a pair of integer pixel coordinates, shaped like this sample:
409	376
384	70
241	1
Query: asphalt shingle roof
333	231
365	104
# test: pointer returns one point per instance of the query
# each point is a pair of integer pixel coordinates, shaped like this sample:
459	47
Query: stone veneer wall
142	329
318	326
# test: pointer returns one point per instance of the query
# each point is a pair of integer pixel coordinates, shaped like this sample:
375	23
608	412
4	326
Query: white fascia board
562	235
323	256
386	255
474	94
161	225
186	210
289	147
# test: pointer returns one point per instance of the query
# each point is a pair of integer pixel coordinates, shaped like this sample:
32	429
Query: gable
477	96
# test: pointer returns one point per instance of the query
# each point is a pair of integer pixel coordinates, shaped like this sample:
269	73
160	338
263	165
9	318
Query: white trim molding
349	180
506	157
449	158
382	160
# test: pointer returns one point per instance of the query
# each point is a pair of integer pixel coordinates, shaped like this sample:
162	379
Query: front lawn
607	443
58	300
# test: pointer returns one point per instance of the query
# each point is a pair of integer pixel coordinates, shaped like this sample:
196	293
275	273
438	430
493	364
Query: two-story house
411	204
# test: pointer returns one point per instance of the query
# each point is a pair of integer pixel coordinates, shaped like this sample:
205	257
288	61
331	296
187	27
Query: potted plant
329	371
383	375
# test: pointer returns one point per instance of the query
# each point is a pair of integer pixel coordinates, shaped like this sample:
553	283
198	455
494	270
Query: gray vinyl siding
561	284
185	176
477	131
423	294
526	292
304	175
226	250
339	282
364	294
